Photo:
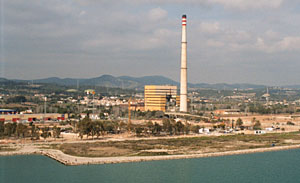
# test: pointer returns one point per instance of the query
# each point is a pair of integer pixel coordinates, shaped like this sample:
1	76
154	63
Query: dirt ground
267	121
179	145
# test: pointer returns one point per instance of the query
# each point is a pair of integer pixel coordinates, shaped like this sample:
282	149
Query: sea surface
280	166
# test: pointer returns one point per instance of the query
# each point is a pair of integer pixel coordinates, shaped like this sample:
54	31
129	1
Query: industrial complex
33	117
163	98
160	98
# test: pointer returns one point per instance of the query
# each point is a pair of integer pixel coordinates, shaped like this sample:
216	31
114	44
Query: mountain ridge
129	82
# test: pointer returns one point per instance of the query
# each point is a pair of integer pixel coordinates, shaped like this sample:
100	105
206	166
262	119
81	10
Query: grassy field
179	145
4	148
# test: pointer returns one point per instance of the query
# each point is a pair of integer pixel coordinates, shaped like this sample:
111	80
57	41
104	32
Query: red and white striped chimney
183	76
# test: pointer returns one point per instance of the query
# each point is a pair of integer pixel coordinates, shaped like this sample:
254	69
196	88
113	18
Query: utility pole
129	114
93	103
77	85
78	107
45	110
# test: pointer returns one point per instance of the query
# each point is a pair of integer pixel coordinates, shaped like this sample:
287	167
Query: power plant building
164	98
160	98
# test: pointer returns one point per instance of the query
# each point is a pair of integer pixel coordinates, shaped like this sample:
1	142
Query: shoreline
70	160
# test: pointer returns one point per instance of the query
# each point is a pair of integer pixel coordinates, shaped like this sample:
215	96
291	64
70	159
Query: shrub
290	123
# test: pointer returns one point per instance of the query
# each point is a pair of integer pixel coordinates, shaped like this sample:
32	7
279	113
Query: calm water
282	166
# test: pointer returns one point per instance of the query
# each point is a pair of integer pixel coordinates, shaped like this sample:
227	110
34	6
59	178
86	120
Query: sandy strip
74	160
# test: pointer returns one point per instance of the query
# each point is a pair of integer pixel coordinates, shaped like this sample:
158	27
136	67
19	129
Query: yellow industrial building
160	97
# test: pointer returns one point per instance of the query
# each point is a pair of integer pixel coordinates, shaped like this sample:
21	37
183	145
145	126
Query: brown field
178	146
4	148
279	120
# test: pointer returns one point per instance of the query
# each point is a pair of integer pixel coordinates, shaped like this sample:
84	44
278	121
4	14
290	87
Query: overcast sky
232	41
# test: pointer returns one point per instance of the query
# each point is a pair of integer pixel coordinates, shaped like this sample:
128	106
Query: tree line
20	130
89	128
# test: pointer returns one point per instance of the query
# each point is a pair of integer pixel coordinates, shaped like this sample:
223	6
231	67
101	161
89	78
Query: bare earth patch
108	151
179	146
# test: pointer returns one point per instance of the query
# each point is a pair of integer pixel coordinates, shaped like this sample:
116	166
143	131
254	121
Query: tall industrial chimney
183	76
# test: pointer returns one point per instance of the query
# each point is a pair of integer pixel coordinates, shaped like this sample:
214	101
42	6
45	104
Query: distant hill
222	86
111	81
56	80
137	82
153	80
3	80
292	86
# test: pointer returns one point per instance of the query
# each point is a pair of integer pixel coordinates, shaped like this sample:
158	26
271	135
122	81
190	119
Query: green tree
2	128
232	123
16	99
46	132
122	126
138	130
62	110
239	122
95	128
109	126
10	129
56	132
34	132
179	127
156	129
150	126
99	128
167	126
187	128
101	115
83	126
21	130
195	128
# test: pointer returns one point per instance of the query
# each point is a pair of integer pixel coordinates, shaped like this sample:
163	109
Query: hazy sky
232	41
